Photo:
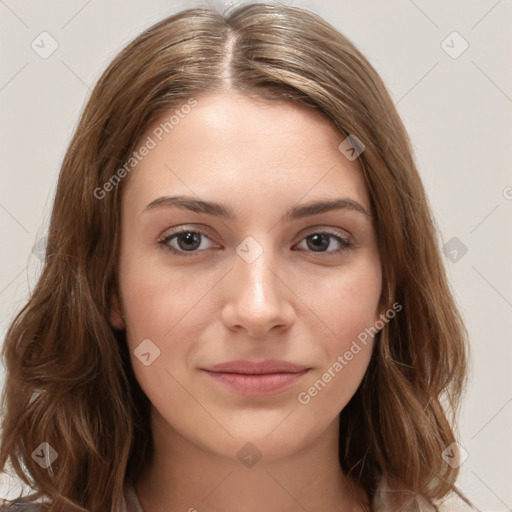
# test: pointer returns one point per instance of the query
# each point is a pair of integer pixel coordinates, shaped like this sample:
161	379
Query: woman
243	301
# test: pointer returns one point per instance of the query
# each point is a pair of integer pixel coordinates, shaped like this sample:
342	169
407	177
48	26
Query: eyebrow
220	210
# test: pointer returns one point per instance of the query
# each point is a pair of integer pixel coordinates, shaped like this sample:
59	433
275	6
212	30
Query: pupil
190	238
319	241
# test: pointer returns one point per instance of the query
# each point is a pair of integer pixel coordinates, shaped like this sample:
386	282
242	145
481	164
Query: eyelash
345	243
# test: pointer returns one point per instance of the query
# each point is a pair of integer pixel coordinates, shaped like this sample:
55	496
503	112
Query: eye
186	241
321	241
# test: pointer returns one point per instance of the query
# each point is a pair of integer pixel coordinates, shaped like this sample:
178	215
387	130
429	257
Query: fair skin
304	299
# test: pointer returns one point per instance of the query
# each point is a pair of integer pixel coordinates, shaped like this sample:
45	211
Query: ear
116	316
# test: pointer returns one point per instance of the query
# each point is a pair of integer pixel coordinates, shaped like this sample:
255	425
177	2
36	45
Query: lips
256	379
252	368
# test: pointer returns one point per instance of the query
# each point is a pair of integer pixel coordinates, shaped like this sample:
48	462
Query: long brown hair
69	380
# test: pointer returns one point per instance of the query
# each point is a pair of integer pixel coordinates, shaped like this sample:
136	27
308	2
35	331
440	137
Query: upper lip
253	368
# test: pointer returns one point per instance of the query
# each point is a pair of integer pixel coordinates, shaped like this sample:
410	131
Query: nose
257	298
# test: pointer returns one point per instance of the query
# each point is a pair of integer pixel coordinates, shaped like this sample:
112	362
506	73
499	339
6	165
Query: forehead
228	145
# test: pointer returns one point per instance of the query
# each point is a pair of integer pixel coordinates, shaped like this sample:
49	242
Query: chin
280	441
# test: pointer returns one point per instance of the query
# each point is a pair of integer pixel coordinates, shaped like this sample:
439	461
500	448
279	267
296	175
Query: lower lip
257	385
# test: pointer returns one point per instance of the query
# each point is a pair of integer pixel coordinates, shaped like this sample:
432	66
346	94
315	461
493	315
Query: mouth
256	379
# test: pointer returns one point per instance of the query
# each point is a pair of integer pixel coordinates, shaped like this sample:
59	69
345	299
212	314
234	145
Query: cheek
155	297
168	307
346	349
158	308
347	306
346	301
329	390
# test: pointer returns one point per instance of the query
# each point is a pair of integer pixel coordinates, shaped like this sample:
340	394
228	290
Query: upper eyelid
312	230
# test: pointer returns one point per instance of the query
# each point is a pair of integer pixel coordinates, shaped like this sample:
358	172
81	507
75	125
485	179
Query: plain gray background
457	107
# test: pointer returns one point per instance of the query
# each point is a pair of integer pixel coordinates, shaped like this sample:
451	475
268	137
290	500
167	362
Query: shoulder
389	500
22	505
129	503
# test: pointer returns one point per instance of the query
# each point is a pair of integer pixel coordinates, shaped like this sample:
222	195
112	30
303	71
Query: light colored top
131	501
381	503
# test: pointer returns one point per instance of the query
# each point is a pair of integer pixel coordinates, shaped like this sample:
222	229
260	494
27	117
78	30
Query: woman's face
247	266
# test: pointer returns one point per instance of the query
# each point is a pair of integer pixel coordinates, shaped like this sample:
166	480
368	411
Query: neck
185	477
